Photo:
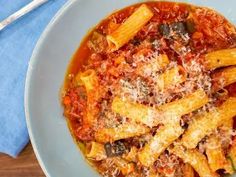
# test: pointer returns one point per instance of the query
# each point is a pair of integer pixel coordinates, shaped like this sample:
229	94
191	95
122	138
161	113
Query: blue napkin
16	45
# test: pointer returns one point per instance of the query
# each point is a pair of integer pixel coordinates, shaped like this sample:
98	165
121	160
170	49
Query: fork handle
29	7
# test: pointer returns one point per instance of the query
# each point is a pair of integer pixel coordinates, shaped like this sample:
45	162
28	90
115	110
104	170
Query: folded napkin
16	45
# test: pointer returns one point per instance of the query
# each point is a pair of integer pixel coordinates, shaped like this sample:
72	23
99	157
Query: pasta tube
90	81
129	28
151	116
197	160
224	77
208	122
95	151
134	111
220	58
121	132
163	138
185	105
215	154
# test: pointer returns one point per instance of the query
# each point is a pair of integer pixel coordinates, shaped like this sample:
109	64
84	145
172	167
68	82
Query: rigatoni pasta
152	116
130	27
95	151
197	160
224	77
121	132
186	105
220	58
208	122
90	81
134	111
163	138
151	93
215	155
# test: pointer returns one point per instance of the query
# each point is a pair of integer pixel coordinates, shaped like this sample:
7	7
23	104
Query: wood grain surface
25	165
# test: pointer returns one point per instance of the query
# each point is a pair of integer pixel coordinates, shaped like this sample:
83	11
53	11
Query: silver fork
26	9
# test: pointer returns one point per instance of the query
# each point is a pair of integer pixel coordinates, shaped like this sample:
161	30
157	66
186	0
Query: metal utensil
26	9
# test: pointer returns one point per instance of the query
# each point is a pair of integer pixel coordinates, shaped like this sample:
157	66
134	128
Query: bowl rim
29	74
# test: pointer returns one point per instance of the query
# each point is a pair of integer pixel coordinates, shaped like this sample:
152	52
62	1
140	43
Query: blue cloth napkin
16	45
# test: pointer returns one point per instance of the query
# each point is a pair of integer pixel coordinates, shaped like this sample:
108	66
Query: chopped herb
115	149
179	27
164	30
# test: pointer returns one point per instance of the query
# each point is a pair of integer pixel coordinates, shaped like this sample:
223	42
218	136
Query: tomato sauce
185	33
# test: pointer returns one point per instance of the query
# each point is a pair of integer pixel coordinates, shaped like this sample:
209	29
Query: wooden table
26	165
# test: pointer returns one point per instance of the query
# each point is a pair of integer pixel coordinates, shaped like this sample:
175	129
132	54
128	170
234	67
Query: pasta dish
151	92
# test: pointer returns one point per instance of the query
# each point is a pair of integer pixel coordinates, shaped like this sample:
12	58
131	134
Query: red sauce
198	31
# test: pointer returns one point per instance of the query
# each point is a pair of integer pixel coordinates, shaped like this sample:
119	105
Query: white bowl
54	147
